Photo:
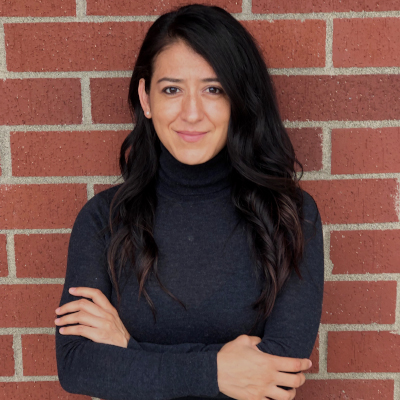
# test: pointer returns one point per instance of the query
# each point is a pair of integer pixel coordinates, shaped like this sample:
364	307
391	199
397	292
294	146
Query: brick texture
100	188
307	143
36	391
40	206
66	153
34	8
41	256
355	201
290	43
338	98
3	256
361	252
359	303
110	100
375	352
40	101
314	358
39	355
316	6
29	305
6	356
73	46
342	389
152	7
367	42
365	151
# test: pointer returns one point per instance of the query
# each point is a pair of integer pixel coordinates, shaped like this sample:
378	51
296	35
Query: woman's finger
290	380
281	394
287	364
83	305
83	330
82	318
96	295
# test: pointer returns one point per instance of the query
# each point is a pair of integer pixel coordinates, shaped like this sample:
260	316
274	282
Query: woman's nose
192	108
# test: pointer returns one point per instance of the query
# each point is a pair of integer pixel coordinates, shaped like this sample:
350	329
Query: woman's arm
292	327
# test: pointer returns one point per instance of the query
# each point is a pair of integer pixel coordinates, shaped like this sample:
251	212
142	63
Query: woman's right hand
247	373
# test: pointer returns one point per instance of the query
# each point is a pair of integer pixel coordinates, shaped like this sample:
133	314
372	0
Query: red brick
40	206
39	355
3	256
73	46
152	7
355	200
29	305
66	153
290	43
41	256
6	356
338	98
315	6
314	358
100	188
307	143
359	303
363	352
342	389
110	100
365	150
367	42
36	391
40	101
34	8
361	252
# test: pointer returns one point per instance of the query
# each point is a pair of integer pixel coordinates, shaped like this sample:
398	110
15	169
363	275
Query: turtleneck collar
207	180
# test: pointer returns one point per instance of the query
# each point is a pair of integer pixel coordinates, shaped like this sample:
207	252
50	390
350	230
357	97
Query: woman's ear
144	98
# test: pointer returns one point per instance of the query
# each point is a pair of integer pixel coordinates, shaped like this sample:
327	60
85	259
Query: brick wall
64	69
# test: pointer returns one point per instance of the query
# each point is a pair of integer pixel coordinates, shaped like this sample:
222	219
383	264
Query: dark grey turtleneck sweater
204	260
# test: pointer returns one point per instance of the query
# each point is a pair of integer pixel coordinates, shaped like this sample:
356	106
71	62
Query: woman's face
189	109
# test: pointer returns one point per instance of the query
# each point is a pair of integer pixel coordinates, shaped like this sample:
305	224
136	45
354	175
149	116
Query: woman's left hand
98	321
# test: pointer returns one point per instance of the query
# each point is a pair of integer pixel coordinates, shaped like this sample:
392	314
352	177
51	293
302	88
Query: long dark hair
265	187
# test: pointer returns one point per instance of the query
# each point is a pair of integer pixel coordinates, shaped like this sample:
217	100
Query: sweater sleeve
292	327
112	372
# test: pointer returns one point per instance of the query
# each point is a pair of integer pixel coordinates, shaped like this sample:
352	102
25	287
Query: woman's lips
191	136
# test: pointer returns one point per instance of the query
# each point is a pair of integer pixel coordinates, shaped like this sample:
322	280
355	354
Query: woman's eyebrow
181	80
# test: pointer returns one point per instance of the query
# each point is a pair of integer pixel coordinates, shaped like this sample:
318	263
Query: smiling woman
201	276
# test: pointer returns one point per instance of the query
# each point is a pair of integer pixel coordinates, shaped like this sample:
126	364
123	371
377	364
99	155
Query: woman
202	274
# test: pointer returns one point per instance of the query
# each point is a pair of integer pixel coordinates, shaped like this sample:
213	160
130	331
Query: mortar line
317	71
3	58
86	101
81	7
122	18
329	45
31	281
323	351
17	346
355	375
397	199
327	260
40	378
27	331
90	191
396	389
246	8
375	124
12	269
5	153
397	320
34	231
326	150
44	180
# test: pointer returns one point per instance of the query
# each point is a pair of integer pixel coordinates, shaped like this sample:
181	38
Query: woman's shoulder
98	207
311	213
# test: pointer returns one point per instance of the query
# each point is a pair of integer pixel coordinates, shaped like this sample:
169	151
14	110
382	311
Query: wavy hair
265	188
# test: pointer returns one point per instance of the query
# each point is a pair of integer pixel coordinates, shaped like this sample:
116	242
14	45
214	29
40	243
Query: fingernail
72	289
61	330
56	321
58	309
310	363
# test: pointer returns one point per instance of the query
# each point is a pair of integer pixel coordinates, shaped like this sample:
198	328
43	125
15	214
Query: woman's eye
215	90
170	90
